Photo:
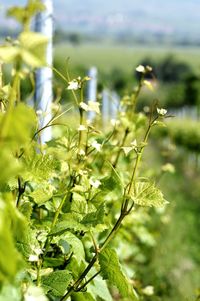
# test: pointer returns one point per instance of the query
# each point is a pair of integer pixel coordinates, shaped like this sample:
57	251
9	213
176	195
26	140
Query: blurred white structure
44	91
114	105
186	112
92	89
105	106
110	105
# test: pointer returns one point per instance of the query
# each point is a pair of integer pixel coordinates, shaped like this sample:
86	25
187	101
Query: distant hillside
157	17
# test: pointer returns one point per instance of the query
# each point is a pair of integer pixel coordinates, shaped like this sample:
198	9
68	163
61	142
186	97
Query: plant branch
120	147
88	281
74	287
21	190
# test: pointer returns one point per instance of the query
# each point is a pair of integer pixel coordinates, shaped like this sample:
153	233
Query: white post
44	91
114	105
105	106
92	89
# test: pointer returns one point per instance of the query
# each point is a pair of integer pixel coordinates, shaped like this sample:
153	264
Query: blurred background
115	37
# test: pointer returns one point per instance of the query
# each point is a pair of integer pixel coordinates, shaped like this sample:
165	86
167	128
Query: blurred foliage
174	264
184	133
175	79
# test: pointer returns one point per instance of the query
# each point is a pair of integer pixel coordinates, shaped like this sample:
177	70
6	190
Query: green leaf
76	245
42	194
26	241
9	257
112	182
9	166
33	48
68	222
111	270
35	6
75	267
100	289
10	292
57	282
5	91
39	167
18	13
147	194
79	205
23	14
35	293
18	125
127	149
9	53
82	297
23	123
93	219
26	209
53	262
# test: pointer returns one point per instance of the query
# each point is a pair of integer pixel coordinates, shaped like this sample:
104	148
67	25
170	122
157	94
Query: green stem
138	159
86	143
80	132
88	281
58	211
38	274
75	286
134	98
120	148
21	190
66	80
82	123
113	231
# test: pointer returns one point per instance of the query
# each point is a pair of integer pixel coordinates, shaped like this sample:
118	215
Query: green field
108	56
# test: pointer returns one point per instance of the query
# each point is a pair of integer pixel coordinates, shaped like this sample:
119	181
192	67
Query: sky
169	17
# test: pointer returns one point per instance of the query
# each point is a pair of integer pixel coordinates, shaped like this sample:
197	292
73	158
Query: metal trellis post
44	90
92	89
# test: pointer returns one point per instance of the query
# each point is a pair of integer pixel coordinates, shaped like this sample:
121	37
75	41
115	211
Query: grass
174	265
177	255
109	56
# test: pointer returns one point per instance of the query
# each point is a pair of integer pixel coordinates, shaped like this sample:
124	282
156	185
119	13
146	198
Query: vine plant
62	204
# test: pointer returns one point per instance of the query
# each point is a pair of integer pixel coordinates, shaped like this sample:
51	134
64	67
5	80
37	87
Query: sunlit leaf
57	282
23	14
9	166
35	293
94	218
42	193
100	289
30	49
147	194
9	53
83	296
76	245
111	270
68	222
9	257
33	48
39	167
